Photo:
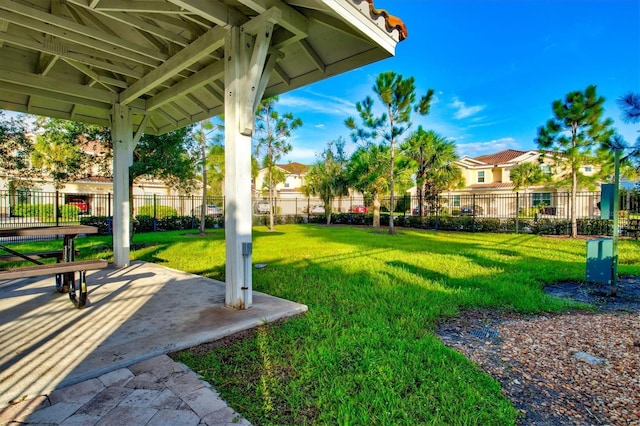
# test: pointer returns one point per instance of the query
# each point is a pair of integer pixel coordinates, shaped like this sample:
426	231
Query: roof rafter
216	12
205	44
137	6
82	54
64	28
136	23
199	79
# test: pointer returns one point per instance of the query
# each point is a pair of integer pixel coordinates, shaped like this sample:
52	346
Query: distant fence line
33	208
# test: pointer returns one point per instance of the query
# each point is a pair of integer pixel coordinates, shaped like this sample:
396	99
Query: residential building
488	178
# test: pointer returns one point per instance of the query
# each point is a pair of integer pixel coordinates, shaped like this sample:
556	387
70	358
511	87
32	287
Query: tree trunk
203	210
376	210
392	195
574	190
271	206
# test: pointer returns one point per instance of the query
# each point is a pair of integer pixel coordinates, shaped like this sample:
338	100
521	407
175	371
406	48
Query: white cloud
464	111
474	149
319	126
312	102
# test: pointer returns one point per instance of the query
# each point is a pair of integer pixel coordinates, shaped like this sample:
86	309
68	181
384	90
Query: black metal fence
33	208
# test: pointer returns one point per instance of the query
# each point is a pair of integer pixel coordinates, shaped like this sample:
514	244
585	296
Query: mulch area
576	368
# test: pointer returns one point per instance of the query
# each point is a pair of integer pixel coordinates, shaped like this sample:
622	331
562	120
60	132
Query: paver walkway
154	392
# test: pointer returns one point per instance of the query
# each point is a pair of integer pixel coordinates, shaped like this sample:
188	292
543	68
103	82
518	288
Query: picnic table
65	267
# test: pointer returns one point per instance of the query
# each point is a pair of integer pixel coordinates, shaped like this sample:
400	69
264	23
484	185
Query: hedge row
45	211
444	223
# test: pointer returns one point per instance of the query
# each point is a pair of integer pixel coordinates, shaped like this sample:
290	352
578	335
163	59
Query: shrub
33	210
160	211
69	211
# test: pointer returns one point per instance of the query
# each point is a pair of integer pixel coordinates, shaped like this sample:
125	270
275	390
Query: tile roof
392	21
501	157
294	168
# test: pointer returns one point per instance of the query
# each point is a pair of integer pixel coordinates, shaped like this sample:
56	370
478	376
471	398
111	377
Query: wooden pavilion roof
75	59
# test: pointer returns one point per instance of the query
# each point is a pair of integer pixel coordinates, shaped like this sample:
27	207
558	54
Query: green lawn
366	352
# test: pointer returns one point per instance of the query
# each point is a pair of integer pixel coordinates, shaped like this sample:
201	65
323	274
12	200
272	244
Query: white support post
123	144
237	177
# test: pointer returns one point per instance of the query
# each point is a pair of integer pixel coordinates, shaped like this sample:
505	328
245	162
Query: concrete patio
134	314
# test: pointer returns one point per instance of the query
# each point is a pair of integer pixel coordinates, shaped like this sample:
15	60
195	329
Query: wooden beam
136	23
137	6
48	94
199	79
255	70
80	54
207	43
214	11
46	62
140	131
3	28
282	74
89	73
309	50
64	28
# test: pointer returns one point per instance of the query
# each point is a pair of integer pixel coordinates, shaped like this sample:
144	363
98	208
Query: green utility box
607	195
600	261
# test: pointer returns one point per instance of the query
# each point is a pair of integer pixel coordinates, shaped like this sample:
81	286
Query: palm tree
525	175
327	178
63	160
434	158
398	98
368	172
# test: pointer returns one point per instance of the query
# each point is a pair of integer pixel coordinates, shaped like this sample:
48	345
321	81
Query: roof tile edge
392	21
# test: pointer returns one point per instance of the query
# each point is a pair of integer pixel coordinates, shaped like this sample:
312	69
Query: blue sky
496	67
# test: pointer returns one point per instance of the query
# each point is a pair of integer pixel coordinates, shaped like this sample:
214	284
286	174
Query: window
588	169
286	184
546	169
455	201
481	176
542	198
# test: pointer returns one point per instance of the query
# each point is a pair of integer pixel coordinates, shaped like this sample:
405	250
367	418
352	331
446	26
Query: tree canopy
327	178
398	97
271	141
433	158
574	134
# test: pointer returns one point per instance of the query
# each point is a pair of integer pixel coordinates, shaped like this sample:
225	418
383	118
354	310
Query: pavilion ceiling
74	59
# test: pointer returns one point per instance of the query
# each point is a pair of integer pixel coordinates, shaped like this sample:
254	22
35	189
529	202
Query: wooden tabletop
48	230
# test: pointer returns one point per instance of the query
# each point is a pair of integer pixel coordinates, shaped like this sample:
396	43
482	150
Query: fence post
56	208
193	218
155	228
109	213
473	212
517	210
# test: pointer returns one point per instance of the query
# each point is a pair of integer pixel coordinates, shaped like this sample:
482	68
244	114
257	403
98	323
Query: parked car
262	207
80	203
470	210
316	210
358	209
211	210
416	210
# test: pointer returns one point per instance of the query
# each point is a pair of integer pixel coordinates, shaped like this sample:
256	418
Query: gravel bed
576	368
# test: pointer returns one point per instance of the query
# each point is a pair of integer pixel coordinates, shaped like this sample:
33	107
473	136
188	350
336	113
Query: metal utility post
616	231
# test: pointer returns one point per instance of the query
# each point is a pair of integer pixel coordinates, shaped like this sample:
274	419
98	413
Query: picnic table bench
632	227
66	266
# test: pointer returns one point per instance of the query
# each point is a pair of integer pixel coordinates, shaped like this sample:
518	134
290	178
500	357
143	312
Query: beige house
291	187
489	191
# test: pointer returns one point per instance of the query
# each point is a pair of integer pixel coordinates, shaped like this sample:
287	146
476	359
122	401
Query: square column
238	214
123	144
